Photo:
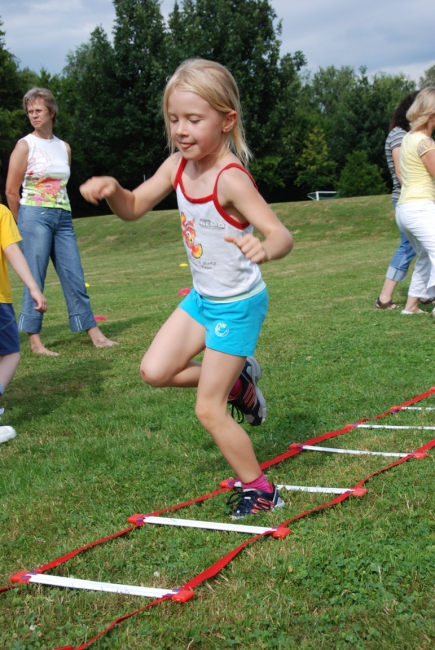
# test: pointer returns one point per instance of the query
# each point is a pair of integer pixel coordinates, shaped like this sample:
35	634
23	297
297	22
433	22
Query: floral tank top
47	173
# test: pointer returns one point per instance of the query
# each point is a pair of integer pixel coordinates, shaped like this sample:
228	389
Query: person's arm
18	262
237	194
396	161
131	205
68	150
428	159
16	171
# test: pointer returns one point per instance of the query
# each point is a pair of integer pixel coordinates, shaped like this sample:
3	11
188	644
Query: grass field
95	445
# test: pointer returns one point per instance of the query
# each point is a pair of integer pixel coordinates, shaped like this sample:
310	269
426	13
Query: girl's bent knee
151	376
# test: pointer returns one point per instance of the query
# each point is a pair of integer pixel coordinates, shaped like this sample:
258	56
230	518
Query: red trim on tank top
219	208
179	181
213	197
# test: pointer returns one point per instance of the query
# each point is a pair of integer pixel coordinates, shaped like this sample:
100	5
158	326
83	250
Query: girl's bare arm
131	205
237	193
18	262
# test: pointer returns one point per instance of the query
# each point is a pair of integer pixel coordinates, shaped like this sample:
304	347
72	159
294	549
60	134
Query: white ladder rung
417	408
75	583
324	490
352	451
389	426
210	525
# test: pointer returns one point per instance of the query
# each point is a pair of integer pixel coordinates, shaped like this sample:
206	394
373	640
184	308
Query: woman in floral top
40	163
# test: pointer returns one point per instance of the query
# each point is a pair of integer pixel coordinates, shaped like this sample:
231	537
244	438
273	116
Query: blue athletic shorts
9	339
230	327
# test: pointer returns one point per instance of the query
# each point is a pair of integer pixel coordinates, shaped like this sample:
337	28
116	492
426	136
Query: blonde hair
422	108
46	96
214	83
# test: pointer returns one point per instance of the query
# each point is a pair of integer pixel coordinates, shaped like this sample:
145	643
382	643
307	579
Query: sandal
429	301
385	305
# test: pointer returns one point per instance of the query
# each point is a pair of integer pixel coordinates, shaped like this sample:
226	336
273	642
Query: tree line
308	132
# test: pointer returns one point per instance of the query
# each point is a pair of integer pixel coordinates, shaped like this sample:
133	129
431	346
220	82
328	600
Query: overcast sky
389	35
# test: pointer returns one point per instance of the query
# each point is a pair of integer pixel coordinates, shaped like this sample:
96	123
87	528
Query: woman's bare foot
98	339
37	346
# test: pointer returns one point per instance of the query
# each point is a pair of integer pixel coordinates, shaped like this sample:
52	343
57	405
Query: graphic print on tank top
189	236
219	268
47	174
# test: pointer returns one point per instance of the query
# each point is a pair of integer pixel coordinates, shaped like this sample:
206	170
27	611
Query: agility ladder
186	591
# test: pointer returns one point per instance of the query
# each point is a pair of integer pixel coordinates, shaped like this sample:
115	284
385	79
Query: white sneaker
419	311
7	433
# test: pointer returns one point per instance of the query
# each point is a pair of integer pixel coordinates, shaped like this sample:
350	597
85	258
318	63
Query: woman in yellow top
415	212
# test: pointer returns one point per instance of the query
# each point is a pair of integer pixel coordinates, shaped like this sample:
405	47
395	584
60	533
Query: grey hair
46	96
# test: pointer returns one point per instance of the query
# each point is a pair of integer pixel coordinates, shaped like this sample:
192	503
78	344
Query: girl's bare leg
168	360
219	371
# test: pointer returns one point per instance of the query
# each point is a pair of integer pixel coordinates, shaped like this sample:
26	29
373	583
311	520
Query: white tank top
47	173
219	269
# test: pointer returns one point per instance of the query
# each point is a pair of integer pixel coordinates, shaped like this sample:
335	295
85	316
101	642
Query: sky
384	35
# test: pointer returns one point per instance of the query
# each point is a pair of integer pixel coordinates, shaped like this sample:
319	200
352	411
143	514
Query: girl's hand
99	187
39	298
251	247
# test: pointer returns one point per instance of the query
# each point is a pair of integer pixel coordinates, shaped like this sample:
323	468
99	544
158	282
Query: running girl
219	207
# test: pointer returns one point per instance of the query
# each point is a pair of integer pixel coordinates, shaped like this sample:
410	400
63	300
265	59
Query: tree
12	118
316	169
110	98
354	111
428	79
359	177
243	36
140	49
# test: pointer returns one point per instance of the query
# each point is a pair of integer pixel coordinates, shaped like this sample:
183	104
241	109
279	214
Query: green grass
95	445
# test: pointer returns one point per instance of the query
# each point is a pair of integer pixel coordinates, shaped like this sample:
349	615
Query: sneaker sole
256	376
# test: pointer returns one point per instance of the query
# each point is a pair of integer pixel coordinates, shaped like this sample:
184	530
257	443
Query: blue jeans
402	258
49	233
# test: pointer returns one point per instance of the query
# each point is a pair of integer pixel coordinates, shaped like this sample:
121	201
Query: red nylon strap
117	621
419	397
220	564
187	503
68	556
384	469
428	445
339	499
329	434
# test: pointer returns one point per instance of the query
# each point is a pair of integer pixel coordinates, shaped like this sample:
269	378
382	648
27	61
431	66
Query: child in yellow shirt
9	340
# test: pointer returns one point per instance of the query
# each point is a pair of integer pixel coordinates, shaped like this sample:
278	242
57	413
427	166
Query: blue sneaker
251	502
250	402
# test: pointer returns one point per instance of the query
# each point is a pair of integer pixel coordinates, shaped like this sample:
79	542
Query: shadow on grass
41	392
60	335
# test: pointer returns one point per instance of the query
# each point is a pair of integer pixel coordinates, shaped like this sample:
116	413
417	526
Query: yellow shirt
8	235
418	184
